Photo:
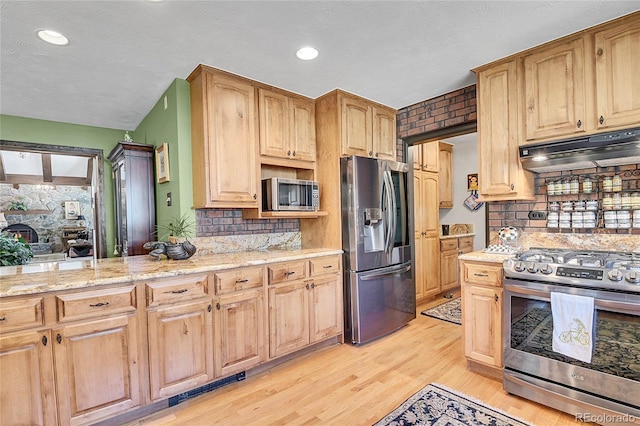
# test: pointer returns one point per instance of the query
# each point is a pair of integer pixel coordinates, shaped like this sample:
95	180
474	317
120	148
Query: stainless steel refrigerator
380	295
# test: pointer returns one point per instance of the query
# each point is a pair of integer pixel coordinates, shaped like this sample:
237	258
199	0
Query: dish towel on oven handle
573	331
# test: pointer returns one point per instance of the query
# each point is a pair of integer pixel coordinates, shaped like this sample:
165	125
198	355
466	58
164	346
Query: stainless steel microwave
282	194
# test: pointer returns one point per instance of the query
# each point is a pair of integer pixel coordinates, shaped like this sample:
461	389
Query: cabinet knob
495	297
599	52
289	152
513	187
370	153
294	153
59	338
255	196
579	124
601	120
218	306
45	340
209	308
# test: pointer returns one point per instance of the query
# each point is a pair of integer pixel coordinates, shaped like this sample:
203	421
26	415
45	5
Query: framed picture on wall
71	210
162	163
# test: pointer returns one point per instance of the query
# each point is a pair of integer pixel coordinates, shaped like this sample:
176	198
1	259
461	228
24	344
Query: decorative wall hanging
471	202
71	210
162	163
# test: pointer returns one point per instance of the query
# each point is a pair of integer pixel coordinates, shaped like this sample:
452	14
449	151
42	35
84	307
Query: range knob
519	267
633	277
546	269
615	275
533	268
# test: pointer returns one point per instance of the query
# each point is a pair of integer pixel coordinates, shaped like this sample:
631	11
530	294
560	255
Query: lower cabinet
85	359
482	314
450	249
27	395
306	311
239	332
180	347
96	368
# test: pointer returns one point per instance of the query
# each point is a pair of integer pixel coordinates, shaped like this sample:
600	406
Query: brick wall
446	111
222	222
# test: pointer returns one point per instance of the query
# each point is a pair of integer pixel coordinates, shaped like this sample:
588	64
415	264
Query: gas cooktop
597	269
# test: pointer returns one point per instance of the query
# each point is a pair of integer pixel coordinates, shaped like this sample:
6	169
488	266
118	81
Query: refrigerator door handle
389	200
396	269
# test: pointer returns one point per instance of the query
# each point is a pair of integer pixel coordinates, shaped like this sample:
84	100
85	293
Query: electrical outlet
537	215
168	199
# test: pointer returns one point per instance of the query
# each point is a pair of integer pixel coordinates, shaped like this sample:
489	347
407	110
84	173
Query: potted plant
14	251
177	232
18	205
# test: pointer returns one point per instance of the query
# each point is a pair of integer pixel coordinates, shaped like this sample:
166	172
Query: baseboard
491	372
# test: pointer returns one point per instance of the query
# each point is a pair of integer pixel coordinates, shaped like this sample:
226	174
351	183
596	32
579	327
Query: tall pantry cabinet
134	189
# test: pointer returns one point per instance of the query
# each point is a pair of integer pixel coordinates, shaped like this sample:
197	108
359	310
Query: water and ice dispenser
373	230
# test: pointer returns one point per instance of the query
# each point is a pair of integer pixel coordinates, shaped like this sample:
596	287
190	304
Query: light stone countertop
68	275
444	237
481	256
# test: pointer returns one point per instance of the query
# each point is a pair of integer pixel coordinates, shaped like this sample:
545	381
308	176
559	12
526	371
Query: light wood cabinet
450	249
223	140
427	249
482	315
500	173
287	127
554	79
27	390
617	61
426	156
239	332
364	128
87	393
445	175
305	311
180	347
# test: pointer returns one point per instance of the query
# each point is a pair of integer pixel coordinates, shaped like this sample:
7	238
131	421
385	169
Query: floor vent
175	400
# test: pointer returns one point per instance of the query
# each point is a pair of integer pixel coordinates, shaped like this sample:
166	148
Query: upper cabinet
500	174
555	91
223	140
617	65
584	83
287	129
426	157
367	129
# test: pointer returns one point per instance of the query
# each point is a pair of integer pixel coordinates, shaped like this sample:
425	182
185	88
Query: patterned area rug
437	405
449	311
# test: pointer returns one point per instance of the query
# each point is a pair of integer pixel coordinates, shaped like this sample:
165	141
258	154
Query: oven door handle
630	308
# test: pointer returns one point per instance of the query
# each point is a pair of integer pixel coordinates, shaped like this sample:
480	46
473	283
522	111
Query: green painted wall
21	129
173	127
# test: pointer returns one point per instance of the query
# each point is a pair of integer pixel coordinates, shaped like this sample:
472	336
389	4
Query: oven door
614	370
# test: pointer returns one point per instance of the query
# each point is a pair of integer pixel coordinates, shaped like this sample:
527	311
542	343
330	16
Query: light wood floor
347	385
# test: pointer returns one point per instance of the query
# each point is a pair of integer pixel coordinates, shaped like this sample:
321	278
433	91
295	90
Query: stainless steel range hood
602	150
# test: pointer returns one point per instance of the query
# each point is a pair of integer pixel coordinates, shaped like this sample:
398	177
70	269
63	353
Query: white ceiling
124	54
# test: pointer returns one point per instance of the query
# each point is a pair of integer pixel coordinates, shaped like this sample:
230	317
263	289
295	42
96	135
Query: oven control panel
587	274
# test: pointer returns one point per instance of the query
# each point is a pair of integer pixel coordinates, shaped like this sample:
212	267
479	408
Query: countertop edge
481	256
113	271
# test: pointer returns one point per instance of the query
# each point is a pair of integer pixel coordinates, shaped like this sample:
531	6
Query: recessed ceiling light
53	37
307	53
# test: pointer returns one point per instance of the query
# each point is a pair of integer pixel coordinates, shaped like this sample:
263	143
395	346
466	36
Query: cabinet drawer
449	244
90	304
177	289
288	271
21	313
465	244
324	265
239	279
476	273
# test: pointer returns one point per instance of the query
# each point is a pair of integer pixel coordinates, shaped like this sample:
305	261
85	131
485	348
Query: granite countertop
481	256
470	234
66	275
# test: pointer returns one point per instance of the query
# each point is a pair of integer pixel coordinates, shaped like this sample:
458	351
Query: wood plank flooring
347	385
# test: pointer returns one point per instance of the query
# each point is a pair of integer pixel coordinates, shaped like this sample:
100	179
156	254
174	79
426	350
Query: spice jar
626	201
616	183
607	184
617	202
607	202
551	188
574	185
587	185
566	187
635	200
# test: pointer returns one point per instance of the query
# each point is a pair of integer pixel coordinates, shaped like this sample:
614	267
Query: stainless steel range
604	390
